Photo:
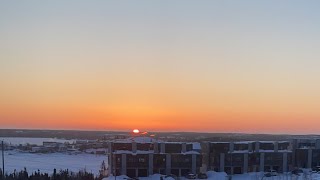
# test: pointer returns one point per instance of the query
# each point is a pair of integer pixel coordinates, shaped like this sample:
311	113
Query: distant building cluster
144	156
78	146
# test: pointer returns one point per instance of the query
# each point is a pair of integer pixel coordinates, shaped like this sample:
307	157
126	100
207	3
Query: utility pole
2	159
114	165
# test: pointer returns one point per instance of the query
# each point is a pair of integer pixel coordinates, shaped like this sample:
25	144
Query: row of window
145	158
225	147
169	148
251	158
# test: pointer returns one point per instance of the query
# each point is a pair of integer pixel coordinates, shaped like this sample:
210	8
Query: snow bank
152	177
122	177
217	175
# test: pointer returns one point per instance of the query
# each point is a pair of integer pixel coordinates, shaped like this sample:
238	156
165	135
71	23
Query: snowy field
47	162
34	141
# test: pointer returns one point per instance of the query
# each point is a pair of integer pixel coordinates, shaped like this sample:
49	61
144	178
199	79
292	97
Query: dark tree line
56	175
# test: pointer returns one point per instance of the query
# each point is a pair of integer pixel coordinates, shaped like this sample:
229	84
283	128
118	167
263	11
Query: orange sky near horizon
245	114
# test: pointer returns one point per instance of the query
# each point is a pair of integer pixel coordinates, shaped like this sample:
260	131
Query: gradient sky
211	66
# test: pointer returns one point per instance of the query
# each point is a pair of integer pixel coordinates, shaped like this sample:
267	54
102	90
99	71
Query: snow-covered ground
47	162
152	177
223	176
259	176
35	141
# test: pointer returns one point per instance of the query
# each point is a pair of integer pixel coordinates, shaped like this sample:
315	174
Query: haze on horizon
209	66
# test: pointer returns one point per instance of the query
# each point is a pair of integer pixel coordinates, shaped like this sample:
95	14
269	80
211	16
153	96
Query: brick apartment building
144	156
306	152
249	156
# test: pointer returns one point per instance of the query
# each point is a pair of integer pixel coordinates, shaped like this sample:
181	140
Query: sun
135	131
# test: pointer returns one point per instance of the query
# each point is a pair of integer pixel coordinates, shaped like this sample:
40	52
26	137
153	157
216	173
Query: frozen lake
47	162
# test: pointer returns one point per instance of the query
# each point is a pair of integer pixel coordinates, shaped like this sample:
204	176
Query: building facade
250	156
306	152
143	156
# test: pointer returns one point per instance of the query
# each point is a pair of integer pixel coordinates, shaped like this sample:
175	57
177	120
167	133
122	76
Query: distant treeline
60	175
173	136
62	134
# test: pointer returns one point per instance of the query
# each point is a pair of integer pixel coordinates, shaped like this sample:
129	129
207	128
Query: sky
209	66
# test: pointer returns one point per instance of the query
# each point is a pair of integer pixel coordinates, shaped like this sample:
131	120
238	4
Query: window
142	160
131	160
212	159
269	158
237	158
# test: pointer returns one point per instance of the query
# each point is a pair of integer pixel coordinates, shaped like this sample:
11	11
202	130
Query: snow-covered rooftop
271	151
274	142
191	152
243	142
196	146
219	142
240	151
133	153
139	139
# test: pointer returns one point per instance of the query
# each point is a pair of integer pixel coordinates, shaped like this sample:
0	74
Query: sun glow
135	131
